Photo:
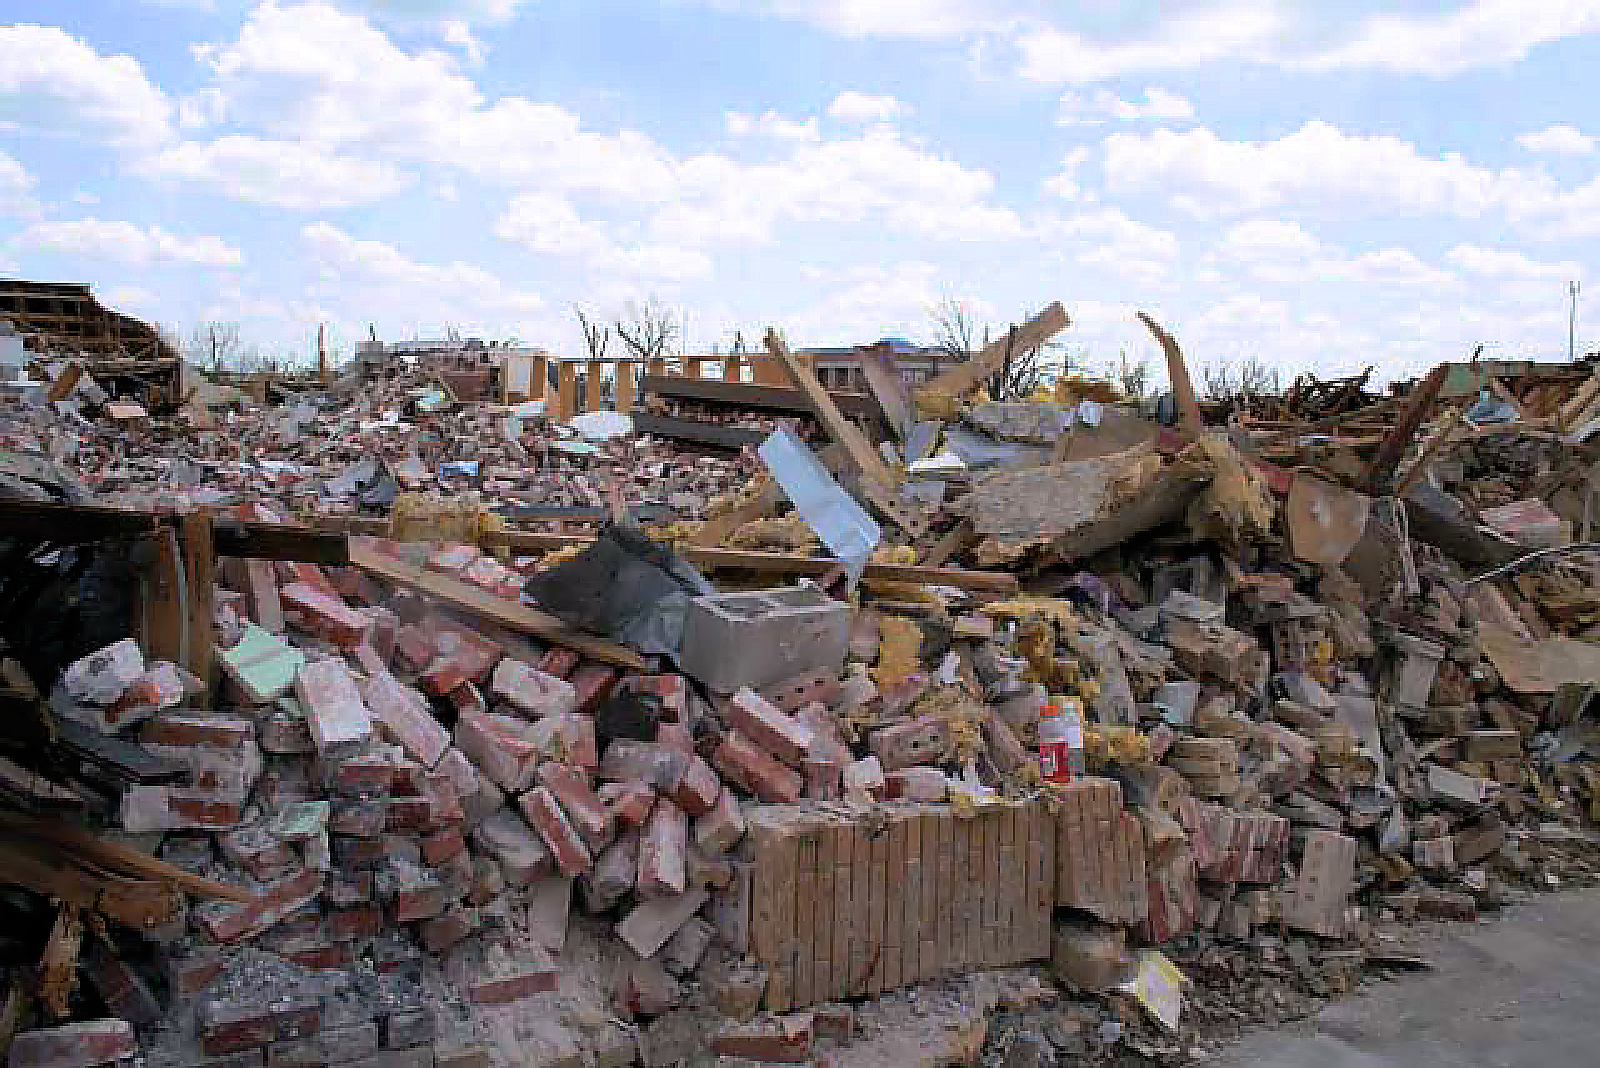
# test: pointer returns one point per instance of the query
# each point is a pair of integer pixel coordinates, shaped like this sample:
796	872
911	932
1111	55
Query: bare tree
1247	380
649	330
596	336
1132	376
1021	373
216	346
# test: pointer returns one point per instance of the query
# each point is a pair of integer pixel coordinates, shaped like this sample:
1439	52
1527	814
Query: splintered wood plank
841	838
973	874
773	902
511	614
932	823
994	882
878	910
1013	883
894	913
805	886
821	911
860	896
911	935
1043	845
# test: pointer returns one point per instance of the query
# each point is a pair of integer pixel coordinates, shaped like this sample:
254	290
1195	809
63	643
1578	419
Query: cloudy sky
1389	185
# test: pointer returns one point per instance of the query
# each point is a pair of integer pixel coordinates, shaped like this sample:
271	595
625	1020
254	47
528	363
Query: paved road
1521	989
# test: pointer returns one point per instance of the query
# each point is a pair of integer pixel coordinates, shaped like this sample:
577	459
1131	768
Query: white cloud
773	125
1273	240
286	174
337	81
15	181
548	224
459	33
353	269
867	302
1560	140
888	18
124	242
1240	29
1102	105
853	106
1482	33
53	81
875	175
1141	38
1506	263
1065	183
198	110
1109	240
1317	166
444	12
1390	266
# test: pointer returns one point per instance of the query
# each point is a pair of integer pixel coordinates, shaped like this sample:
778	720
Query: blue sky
1390	184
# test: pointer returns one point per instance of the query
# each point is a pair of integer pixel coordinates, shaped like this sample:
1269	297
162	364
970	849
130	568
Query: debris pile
472	792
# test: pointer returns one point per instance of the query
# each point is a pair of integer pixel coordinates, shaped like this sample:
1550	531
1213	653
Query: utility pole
1572	322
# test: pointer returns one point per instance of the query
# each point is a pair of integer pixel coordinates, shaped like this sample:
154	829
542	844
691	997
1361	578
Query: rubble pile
621	799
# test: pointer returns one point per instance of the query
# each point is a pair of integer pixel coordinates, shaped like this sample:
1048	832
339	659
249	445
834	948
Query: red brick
671	691
299	571
592	682
194	969
443	675
474	654
260	587
916	784
74	1045
780	735
359	817
285	734
417	895
522	854
559	661
786	1040
745	765
720	829
542	811
411	814
403	718
170	808
441	845
675	736
662	851
628	802
413	649
496	745
698	789
923	741
324	957
531	691
575	734
444	931
467	698
360	776
363	921
579	801
326	615
823	779
338	718
232	922
258	851
230	1026
232	733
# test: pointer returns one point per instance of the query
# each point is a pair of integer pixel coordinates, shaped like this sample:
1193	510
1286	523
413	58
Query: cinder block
762	637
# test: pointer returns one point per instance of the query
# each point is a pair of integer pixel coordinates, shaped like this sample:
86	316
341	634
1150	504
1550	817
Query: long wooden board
517	617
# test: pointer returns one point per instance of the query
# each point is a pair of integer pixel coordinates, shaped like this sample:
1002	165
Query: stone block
338	718
762	637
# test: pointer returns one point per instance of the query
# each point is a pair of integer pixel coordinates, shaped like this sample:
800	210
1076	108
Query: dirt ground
1520	988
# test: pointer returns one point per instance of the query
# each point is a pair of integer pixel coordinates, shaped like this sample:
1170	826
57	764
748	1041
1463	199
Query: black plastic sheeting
625	586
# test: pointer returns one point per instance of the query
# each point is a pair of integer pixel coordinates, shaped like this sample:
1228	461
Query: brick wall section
1100	853
844	905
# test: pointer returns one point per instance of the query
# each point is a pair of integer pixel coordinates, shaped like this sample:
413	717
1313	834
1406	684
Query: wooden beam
594	386
1380	472
510	614
567	392
75	523
878	483
772	397
1178	374
58	965
200	573
780	563
964	377
622	386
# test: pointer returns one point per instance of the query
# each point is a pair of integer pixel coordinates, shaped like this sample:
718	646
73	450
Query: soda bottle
1055	754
